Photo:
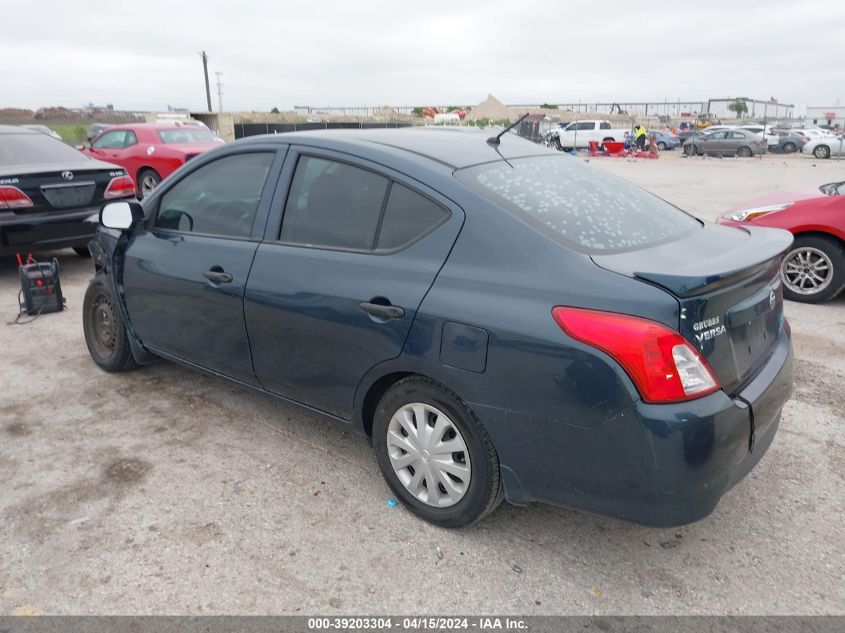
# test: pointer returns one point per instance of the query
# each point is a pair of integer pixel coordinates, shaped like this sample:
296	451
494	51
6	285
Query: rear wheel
745	152
813	271
105	332
435	455
821	151
789	147
148	179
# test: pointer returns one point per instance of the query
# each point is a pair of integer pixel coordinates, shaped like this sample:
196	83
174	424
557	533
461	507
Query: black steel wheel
105	332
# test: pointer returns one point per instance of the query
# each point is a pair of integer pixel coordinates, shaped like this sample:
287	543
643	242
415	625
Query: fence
253	129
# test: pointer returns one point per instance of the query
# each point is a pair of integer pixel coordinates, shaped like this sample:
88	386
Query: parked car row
49	189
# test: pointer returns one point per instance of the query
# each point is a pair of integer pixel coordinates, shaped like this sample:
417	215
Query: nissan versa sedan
499	319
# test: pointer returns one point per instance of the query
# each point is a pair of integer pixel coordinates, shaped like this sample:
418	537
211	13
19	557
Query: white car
825	147
816	134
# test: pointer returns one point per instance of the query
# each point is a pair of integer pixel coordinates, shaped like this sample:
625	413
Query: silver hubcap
148	184
428	455
806	271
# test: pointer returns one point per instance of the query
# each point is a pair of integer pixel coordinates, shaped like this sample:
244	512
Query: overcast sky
145	55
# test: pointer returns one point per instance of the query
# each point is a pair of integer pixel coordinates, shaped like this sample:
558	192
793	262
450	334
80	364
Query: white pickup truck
579	134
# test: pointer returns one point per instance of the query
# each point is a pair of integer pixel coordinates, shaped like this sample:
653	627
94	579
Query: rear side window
604	125
585	208
333	205
220	198
407	217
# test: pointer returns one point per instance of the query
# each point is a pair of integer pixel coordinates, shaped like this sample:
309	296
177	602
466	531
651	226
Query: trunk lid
62	187
727	283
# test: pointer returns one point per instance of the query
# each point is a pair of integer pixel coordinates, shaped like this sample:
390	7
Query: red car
813	270
150	153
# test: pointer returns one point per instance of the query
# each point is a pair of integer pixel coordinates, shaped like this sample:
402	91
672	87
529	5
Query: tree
739	107
274	111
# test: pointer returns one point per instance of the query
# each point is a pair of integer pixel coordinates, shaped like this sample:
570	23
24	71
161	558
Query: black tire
821	151
745	152
788	148
82	251
485	490
565	149
661	146
608	139
148	179
105	332
835	253
556	144
690	150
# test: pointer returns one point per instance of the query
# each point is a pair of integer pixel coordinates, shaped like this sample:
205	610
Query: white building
825	115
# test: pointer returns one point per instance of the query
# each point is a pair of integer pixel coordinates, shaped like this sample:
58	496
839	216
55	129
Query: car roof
14	129
150	126
455	147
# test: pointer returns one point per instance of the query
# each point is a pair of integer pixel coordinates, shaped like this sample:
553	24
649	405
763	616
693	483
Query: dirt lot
167	491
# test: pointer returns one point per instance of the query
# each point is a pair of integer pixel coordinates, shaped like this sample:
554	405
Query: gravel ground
167	491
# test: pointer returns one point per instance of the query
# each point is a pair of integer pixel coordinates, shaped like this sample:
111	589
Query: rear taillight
120	187
13	198
661	362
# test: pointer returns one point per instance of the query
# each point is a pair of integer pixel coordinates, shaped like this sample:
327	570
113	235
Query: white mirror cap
116	215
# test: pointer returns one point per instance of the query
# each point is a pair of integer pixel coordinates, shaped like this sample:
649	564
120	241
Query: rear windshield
586	208
187	135
24	149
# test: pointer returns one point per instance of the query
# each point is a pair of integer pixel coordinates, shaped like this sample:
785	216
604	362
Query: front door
115	146
334	291
188	269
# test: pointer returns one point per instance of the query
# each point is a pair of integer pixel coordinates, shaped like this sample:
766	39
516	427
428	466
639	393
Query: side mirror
121	215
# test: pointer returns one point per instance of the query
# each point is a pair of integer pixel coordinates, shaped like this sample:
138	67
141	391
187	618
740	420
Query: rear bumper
660	465
21	233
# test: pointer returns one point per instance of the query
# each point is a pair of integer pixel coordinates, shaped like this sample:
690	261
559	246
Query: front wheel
822	151
813	271
105	332
690	150
661	146
435	455
148	179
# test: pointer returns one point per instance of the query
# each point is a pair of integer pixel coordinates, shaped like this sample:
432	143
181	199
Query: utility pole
205	72
219	91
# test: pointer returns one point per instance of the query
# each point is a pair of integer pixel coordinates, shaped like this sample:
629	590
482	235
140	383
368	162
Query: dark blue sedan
501	320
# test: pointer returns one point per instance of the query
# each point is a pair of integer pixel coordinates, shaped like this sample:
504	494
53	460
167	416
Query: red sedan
813	271
150	153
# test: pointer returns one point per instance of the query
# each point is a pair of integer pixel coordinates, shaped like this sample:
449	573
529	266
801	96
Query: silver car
728	142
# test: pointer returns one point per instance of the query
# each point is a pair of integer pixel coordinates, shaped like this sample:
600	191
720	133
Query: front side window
220	198
111	140
333	205
584	207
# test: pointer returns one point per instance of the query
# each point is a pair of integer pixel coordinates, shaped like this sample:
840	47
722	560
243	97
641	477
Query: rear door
185	273
337	282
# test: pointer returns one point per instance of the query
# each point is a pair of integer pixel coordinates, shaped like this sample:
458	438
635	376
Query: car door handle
216	276
383	311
